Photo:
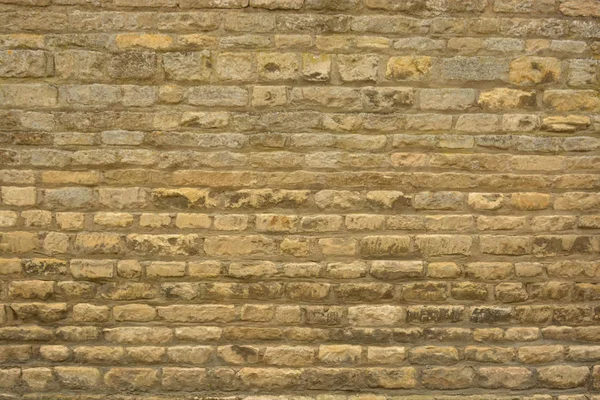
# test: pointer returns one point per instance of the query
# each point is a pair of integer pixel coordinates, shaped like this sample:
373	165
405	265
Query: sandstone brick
339	354
10	377
18	353
183	379
98	354
376	315
507	99
18	242
510	245
163	244
131	378
447	377
238	355
24	63
69	197
469	291
114	220
385	355
391	378
197	313
570	123
562	376
269	96
278	67
35	289
489	354
69	220
78	377
338	246
585	8
358	68
436	355
138	335
534	70
572	100
472	68
447	99
269	379
316	68
143	40
90	313
92	269
187	66
408	67
54	353
43	312
505	377
431	245
387	270
132	65
121	198
134	312
146	354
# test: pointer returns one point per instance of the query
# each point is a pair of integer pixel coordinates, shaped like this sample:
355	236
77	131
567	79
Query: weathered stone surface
583	8
534	70
408	68
507	99
300	199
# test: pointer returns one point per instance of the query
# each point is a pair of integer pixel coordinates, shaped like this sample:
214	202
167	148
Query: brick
316	68
197	313
143	40
357	68
78	377
436	355
507	99
448	377
534	70
24	64
185	379
132	65
269	378
387	270
163	244
131	378
472	68
572	100
380	315
509	245
392	378
31	289
187	66
278	67
585	8
444	244
506	377
408	67
339	354
447	99
562	376
139	335
384	246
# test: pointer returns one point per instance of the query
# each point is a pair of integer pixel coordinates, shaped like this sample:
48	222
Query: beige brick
18	196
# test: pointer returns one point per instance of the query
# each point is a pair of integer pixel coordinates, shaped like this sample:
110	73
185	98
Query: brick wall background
299	199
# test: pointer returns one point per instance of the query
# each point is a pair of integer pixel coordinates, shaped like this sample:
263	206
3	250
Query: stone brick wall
299	199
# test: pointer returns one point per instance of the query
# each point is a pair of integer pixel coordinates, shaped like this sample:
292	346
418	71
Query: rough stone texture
299	199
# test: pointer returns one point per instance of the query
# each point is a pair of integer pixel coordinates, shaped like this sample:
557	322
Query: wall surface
299	199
